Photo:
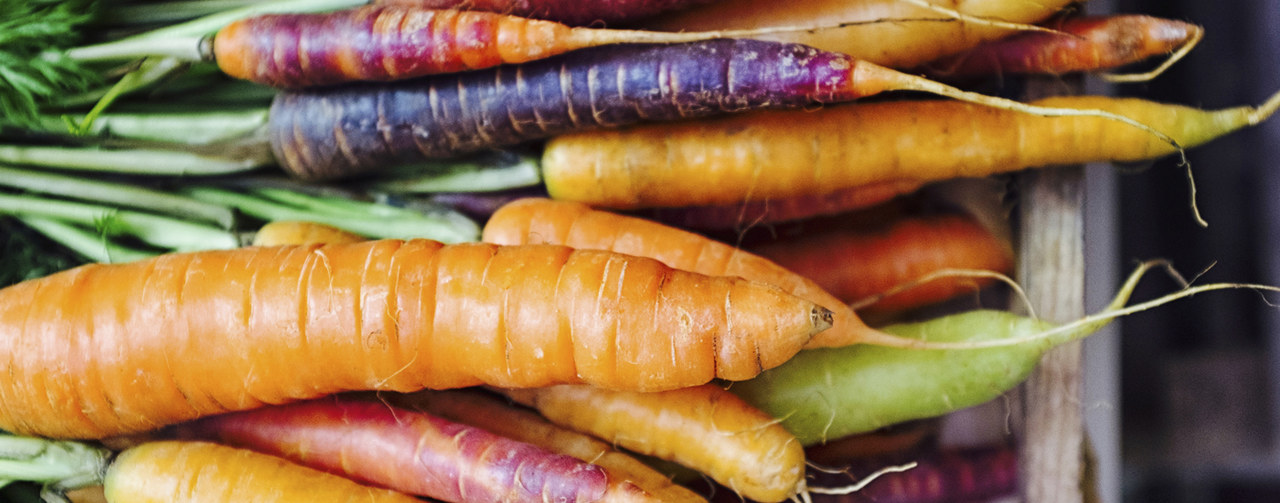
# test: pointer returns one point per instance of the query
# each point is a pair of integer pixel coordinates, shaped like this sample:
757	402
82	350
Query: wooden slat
1051	269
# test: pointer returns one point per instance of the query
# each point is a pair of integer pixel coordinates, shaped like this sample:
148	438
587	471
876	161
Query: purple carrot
407	450
357	129
952	475
577	13
328	133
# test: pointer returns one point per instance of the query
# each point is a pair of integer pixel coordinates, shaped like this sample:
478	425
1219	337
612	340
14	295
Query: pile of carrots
733	263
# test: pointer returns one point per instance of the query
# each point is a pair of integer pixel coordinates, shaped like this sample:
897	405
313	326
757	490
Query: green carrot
824	394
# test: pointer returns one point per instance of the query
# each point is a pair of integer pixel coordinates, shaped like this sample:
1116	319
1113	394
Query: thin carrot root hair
1197	34
891	79
1255	117
943	274
857	486
981	20
1117	308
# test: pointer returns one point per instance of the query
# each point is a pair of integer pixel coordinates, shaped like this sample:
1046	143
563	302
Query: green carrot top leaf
32	69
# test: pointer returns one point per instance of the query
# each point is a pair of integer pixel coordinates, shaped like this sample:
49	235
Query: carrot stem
91	245
151	228
123	194
138	161
375	221
67	465
486	173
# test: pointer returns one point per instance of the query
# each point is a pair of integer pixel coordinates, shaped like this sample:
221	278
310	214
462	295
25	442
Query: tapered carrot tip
760	341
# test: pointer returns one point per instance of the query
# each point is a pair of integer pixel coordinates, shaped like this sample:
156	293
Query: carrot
1078	44
831	393
817	152
408	451
856	262
487	411
298	232
394	42
978	473
199	472
893	33
703	427
574	13
775	211
543	221
177	472
352	130
381	315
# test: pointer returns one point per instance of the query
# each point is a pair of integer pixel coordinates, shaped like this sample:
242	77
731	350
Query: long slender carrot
488	411
544	221
821	151
859	262
893	33
394	42
202	472
702	427
330	133
1077	44
409	451
574	13
186	335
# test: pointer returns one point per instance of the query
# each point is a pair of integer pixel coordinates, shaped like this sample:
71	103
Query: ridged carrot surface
105	350
543	221
395	42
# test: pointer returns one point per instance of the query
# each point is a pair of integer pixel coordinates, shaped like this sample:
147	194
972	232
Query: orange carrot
817	152
1078	44
397	41
297	232
703	427
856	262
186	335
539	220
202	472
484	410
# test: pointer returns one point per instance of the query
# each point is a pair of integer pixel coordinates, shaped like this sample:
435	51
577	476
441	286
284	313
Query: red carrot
774	211
569	12
329	133
393	42
1080	44
409	451
856	262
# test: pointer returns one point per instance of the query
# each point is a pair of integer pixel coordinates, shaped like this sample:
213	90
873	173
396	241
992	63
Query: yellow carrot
838	147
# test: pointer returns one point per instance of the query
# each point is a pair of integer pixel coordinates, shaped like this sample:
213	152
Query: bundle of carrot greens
479	251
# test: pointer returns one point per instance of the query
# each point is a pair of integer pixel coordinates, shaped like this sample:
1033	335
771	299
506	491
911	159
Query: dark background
1198	378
